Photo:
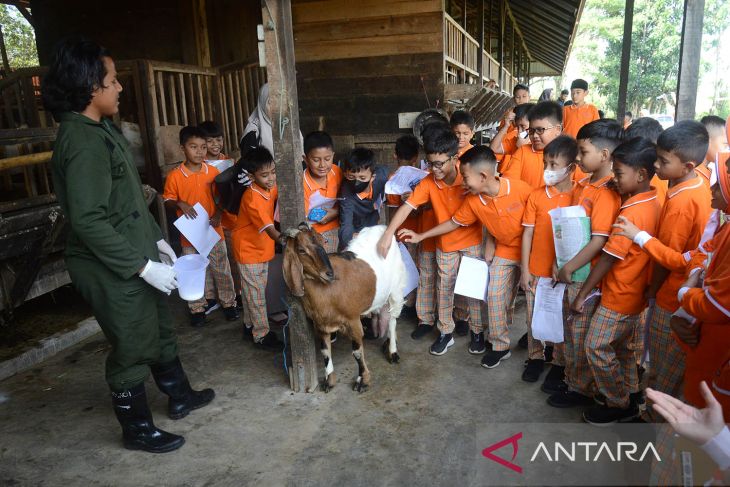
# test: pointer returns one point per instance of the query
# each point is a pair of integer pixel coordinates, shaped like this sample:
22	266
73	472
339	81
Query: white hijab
259	121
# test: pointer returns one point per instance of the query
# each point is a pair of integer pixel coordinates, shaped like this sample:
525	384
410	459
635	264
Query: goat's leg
329	368
392	311
358	351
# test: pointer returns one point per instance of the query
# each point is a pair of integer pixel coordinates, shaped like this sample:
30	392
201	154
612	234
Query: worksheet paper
220	164
316	200
571	232
411	270
198	230
472	279
404	180
547	316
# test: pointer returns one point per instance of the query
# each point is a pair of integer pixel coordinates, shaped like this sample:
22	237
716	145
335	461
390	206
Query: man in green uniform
114	246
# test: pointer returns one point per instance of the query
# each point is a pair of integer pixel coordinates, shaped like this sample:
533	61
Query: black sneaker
422	330
548	354
492	358
239	303
442	344
197	320
569	399
231	313
268	342
522	343
211	305
461	328
247	333
554	381
476	344
533	369
605	416
635	398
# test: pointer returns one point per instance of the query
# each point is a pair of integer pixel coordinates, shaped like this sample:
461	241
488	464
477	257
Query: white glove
159	276
244	178
167	255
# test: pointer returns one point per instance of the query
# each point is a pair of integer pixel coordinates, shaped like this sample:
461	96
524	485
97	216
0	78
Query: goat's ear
293	271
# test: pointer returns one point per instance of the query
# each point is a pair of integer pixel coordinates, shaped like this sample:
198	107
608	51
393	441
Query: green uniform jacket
99	189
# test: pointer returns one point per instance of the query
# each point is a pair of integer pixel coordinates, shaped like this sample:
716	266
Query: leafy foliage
19	38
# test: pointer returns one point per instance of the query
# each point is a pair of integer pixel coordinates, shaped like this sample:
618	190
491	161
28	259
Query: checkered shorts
447	268
331	240
217	278
578	374
426	292
504	279
666	358
536	348
253	284
232	260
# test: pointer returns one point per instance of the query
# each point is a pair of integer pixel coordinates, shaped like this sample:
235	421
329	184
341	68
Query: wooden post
689	59
500	45
288	150
625	60
480	59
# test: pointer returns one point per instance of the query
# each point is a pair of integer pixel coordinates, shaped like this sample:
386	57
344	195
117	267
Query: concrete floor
418	424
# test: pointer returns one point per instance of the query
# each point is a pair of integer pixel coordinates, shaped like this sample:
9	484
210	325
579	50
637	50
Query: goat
336	289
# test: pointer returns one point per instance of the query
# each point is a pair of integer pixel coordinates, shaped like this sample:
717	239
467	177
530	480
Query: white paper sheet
571	232
403	179
547	317
472	279
411	270
220	164
198	230
316	200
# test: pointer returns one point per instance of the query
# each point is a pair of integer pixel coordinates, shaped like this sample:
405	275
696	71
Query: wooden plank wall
361	63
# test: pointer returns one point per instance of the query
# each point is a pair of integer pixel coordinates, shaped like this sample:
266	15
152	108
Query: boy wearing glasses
443	189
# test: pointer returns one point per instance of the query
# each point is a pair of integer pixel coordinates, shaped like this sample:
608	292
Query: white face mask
552	178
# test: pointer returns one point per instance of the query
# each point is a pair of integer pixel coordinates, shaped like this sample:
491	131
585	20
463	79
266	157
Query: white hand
159	276
167	255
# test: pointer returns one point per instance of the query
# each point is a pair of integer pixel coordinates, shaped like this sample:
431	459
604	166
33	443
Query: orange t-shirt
540	202
574	117
526	164
600	202
511	133
704	173
623	286
501	215
426	222
182	184
661	186
330	190
461	151
445	200
682	222
251	244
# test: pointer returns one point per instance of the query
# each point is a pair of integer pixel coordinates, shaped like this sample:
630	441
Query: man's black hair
434	127
687	139
77	69
604	133
189	132
318	140
646	127
639	153
360	158
406	147
518	87
521	111
564	147
211	129
255	159
441	142
546	109
565	92
462	117
714	124
628	114
479	154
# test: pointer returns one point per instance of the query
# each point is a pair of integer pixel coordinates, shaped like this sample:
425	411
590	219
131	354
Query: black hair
441	142
318	140
646	127
518	87
360	158
687	139
189	132
564	147
565	92
434	127
479	154
601	114
604	133
638	153
255	159
77	69
521	111
406	147
211	129
546	109
714	124
462	117
628	114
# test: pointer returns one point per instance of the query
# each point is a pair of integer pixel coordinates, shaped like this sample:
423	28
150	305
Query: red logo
512	440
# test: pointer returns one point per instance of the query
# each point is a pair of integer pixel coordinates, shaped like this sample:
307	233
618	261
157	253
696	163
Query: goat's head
305	258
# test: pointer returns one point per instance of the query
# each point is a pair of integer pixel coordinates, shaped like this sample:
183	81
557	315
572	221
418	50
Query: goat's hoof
360	386
394	358
325	386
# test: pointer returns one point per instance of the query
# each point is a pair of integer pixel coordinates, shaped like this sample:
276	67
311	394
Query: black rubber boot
171	380
138	430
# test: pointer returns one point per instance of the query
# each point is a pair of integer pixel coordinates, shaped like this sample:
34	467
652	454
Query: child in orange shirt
253	241
717	148
323	176
596	141
192	182
622	269
444	191
650	129
462	124
499	205
580	112
508	140
538	249
526	162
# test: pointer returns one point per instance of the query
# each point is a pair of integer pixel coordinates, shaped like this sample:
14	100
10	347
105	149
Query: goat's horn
291	232
305	225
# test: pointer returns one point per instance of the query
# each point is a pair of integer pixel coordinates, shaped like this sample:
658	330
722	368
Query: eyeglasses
439	164
540	130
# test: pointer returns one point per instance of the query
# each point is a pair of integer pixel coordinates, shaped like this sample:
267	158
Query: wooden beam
288	150
625	60
480	59
689	59
25	160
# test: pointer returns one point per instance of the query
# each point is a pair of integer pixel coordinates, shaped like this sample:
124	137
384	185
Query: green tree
19	38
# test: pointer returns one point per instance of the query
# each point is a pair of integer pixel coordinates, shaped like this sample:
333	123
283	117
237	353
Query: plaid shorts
666	358
253	284
426	292
536	348
447	267
578	374
331	240
232	260
217	278
611	356
669	470
504	279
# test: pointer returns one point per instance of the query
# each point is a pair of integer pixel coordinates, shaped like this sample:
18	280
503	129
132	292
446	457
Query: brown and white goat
336	289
